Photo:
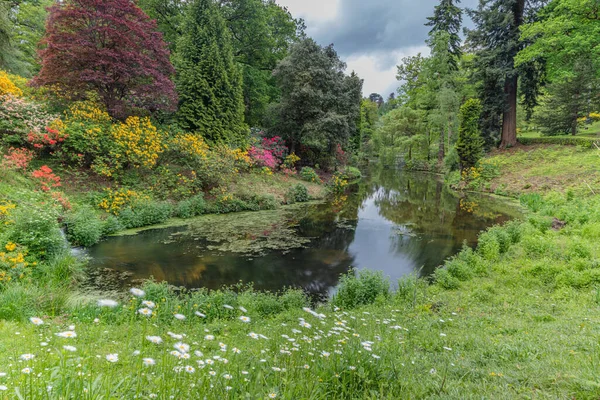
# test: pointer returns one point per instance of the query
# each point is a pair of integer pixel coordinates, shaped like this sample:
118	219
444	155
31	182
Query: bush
469	145
144	213
297	194
451	160
111	225
83	227
362	289
308	174
191	207
38	230
352	173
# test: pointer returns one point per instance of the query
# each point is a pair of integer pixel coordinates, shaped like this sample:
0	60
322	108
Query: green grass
517	318
547	168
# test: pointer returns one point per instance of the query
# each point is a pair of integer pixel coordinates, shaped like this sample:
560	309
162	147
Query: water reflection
391	221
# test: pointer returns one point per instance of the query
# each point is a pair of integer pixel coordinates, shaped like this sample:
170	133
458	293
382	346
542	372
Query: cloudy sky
372	36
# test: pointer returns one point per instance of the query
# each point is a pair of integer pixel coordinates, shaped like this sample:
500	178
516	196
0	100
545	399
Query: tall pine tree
209	81
496	41
447	18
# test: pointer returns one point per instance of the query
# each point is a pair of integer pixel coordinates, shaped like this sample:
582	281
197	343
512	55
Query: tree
109	47
447	18
262	32
495	41
377	99
401	131
469	145
168	15
320	104
209	81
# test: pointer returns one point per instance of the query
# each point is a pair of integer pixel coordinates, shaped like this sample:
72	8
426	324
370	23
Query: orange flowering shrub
17	158
46	178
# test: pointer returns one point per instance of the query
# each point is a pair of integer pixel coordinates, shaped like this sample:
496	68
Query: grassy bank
515	318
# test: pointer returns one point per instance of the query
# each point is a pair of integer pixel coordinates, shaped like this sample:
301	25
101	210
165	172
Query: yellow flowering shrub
190	145
5	209
13	263
7	86
86	111
116	200
137	142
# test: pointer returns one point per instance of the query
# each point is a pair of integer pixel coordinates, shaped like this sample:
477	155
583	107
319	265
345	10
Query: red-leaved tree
110	47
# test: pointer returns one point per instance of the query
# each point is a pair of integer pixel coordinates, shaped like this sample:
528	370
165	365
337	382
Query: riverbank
517	317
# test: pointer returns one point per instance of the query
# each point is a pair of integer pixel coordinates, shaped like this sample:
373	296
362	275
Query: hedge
569	141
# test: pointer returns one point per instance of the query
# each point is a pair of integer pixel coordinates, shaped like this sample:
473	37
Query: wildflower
272	395
209	337
375	356
276	369
242	309
209	361
180	317
137	292
26	370
306	366
176	353
136	353
145	311
2	387
245	319
155	339
148	361
27	357
212	373
69	348
36	321
43	344
227	376
253	335
442	334
244	372
149	304
175	336
198	353
67	334
107	303
228	388
305	324
227	306
352	368
236	350
325	354
182	347
198	313
113	358
189	369
447	348
96	320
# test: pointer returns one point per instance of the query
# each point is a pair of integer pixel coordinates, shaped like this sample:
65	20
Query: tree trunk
441	151
509	117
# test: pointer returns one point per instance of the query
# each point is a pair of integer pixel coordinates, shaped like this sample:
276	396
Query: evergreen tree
496	41
469	145
447	18
209	81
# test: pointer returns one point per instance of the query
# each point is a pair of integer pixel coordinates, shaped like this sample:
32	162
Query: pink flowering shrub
22	116
270	152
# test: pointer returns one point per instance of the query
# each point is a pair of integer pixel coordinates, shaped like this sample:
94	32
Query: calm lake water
391	221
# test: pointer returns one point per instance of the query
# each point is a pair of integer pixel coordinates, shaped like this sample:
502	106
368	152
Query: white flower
155	339
272	395
243	309
227	306
145	311
107	303
36	321
447	348
96	320
198	313
67	334
253	335
2	374
148	361
26	370
198	353
137	292
2	387
376	356
176	353
149	304
69	348
227	376
71	327
136	353
180	317
244	372
43	344
306	366
182	347
209	337
245	319
228	388
212	373
351	368
175	336
276	369
325	354
236	350
442	334
27	357
113	358
189	369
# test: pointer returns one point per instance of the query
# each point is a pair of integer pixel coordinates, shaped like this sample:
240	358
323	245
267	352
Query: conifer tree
209	81
447	18
470	143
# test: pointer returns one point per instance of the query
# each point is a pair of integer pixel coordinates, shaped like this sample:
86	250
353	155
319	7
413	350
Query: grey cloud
378	27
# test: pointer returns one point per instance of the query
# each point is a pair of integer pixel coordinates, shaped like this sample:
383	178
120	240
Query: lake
396	222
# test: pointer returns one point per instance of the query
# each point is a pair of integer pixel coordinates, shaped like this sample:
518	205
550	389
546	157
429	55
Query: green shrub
444	278
308	174
111	225
38	230
533	201
451	160
83	227
145	213
191	207
297	194
469	145
351	173
360	289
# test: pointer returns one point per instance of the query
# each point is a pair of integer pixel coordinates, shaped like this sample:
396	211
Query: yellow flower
11	246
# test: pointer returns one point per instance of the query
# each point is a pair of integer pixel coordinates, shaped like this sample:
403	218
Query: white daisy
67	334
69	348
113	358
155	339
245	319
148	361
36	321
137	292
145	311
107	303
149	304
